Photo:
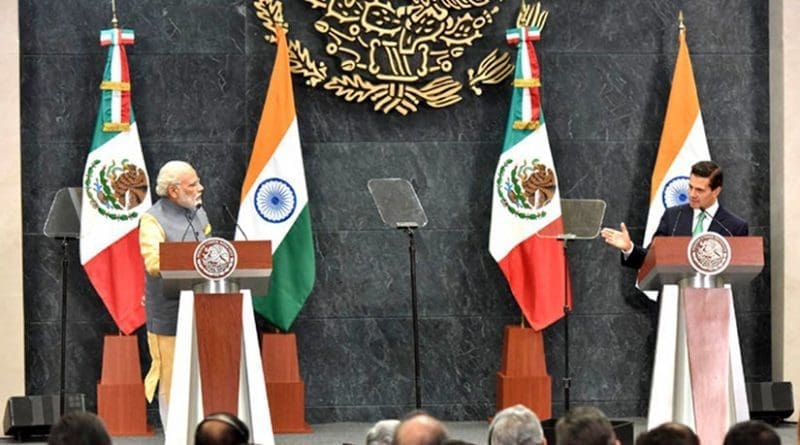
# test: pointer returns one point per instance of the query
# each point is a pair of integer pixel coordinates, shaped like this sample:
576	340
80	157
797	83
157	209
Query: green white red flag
115	193
274	201
526	207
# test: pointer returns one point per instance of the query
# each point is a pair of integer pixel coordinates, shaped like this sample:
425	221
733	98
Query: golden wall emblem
399	57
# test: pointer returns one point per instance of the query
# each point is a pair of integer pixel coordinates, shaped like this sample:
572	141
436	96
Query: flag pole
681	26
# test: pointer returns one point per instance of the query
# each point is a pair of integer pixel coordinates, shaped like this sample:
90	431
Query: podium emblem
709	253
215	258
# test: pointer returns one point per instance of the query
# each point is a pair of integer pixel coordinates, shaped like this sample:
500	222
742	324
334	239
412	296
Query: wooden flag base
523	377
120	392
285	389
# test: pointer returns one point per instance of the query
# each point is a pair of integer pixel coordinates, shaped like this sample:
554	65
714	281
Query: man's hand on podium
618	238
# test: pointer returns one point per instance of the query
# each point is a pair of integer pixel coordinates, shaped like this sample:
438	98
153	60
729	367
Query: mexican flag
683	143
274	202
526	207
115	193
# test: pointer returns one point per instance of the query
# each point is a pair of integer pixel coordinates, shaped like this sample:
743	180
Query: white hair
169	175
516	425
382	432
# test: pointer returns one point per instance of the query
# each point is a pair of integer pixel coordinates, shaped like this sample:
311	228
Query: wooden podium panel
523	377
285	387
219	347
707	326
120	393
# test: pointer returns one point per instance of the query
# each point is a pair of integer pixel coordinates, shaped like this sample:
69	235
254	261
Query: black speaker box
31	416
770	401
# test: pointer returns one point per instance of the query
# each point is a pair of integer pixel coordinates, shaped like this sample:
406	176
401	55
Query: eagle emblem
399	55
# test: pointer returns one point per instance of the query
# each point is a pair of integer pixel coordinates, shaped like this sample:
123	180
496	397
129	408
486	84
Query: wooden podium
698	379
120	392
217	365
523	375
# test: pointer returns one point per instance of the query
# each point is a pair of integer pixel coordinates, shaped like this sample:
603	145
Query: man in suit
702	214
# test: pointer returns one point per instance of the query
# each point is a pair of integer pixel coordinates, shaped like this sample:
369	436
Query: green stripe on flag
293	270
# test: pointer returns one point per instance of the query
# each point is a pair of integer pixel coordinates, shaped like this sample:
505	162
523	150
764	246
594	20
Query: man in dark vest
177	216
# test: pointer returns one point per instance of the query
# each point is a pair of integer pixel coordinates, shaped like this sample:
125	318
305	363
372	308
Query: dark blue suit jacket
677	221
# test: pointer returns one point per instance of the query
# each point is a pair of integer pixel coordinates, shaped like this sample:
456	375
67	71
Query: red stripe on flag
117	273
125	96
535	272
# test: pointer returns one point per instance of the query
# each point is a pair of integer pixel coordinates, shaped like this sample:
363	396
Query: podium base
121	408
120	391
285	388
287	406
533	392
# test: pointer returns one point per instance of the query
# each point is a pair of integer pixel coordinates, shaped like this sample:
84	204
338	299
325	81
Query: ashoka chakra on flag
275	200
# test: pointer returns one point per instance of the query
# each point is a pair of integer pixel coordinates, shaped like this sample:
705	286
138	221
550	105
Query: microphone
702	210
675	226
189	219
228	211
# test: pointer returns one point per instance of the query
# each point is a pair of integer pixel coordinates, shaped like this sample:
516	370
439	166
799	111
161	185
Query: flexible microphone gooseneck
718	222
189	219
675	226
228	211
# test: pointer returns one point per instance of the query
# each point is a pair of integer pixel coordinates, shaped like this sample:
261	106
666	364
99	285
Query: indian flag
526	206
115	193
683	143
274	202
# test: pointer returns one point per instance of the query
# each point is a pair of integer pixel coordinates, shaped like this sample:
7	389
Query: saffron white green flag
115	193
274	202
683	143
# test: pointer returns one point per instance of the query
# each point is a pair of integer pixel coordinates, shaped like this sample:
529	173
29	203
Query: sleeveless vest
162	310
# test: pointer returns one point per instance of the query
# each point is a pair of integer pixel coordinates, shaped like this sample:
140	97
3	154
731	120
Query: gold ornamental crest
399	57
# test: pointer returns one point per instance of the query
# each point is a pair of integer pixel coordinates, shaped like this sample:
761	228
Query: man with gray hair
382	432
516	425
177	216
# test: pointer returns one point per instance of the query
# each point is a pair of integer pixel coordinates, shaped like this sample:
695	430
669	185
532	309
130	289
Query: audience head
382	432
516	425
752	432
221	429
585	426
669	433
79	428
419	428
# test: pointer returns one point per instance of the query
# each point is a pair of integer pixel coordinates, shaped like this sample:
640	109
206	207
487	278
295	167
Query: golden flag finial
681	26
114	21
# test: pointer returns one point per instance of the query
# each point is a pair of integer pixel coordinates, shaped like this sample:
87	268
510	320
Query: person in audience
751	432
221	429
79	428
382	432
420	428
669	433
585	426
516	425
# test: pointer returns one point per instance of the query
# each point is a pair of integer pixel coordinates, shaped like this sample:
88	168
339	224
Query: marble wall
200	69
